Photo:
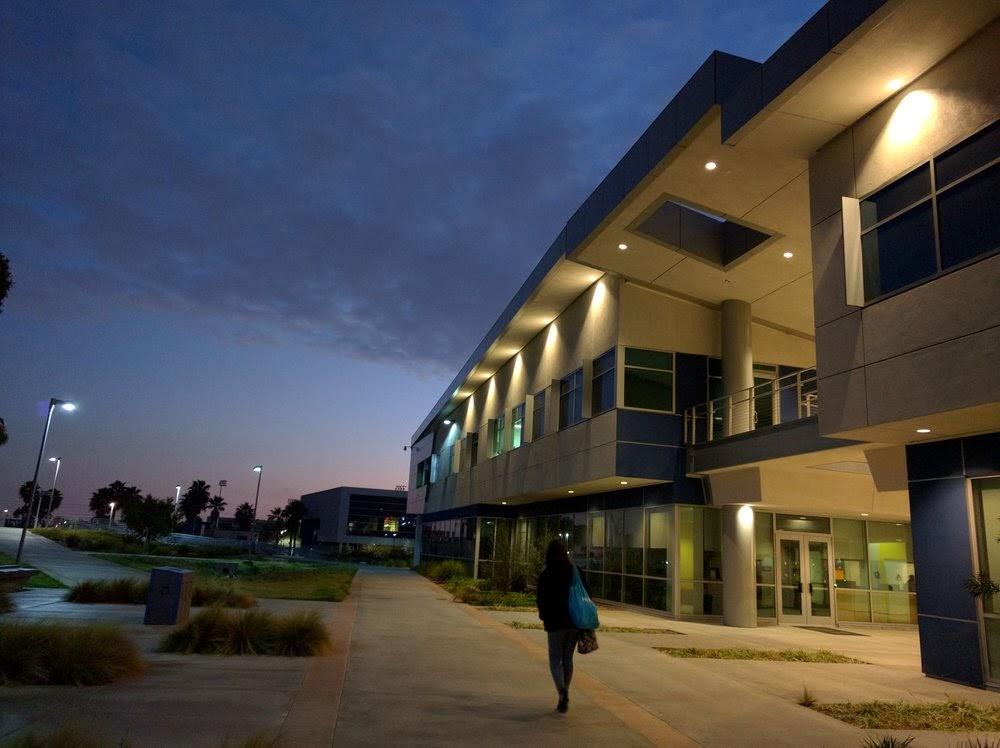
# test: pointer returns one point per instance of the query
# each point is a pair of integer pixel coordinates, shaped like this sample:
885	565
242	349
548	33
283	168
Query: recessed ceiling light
710	165
788	255
923	431
447	422
623	482
571	491
864	514
622	247
894	85
503	502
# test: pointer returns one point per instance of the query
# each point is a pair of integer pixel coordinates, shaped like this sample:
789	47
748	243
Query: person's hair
556	556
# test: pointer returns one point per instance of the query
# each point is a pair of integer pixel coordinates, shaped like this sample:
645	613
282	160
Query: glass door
806	591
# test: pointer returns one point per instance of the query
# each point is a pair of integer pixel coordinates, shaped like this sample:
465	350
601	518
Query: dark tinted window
968	155
898	195
538	416
649	379
899	252
603	395
571	399
969	218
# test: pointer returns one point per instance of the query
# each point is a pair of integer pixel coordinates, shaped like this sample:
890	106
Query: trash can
168	600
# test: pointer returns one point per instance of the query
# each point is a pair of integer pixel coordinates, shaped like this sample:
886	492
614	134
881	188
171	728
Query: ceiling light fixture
571	491
447	422
503	502
622	247
894	85
864	514
788	255
623	482
923	431
710	165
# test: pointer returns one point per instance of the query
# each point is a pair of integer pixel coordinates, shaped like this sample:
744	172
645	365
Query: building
356	516
756	377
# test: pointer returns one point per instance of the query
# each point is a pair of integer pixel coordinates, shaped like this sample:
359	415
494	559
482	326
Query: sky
271	232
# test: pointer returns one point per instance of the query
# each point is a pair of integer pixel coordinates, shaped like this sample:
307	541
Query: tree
41	501
6	281
216	504
121	494
292	515
244	516
25	493
195	500
149	518
45	511
3	433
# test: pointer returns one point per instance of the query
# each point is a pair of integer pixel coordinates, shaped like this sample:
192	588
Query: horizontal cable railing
783	400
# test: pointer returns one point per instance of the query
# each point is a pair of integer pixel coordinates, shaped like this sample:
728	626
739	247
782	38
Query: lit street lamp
177	496
111	518
68	407
259	469
52	493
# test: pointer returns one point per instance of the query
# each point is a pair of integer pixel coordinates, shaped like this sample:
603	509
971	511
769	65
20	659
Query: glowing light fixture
894	85
788	255
744	515
571	491
623	482
622	247
711	165
447	422
914	113
70	407
864	514
503	502
923	431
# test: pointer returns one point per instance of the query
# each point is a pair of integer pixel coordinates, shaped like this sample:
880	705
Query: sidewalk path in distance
66	565
423	670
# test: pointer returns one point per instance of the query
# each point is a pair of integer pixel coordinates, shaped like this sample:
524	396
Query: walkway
66	565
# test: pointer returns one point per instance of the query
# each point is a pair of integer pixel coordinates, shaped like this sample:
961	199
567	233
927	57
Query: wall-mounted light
894	85
913	115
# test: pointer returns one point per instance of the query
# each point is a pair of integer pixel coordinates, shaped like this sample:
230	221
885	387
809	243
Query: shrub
442	571
807	699
887	741
127	591
497	599
463	588
51	653
252	632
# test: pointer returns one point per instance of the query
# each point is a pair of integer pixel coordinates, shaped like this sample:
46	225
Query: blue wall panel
950	649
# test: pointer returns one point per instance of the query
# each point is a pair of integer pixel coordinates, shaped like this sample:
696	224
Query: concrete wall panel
840	345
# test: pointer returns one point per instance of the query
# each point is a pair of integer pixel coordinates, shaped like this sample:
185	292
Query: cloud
371	179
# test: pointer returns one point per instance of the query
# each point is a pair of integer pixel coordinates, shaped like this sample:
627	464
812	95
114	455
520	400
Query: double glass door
806	592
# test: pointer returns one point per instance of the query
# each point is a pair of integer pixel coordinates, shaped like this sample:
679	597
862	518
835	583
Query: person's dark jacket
552	594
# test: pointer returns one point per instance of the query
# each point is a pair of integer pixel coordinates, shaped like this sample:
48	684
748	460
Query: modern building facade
756	377
356	516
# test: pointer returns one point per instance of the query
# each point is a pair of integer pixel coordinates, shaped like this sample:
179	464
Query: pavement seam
635	716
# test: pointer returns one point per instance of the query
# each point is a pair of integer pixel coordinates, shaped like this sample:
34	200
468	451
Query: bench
13	578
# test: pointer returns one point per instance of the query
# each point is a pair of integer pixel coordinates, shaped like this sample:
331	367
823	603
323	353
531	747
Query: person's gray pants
562	643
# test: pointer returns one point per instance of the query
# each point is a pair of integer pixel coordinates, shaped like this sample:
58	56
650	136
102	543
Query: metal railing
783	400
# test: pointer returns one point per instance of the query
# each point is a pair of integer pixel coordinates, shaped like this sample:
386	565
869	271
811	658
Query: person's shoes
563	706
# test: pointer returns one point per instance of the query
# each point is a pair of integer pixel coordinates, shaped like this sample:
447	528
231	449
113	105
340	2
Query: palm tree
216	504
275	524
195	501
3	433
118	492
292	514
244	516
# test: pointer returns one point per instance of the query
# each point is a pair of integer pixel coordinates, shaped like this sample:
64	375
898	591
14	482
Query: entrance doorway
806	593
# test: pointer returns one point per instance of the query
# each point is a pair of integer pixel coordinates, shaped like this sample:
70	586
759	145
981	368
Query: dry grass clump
251	632
127	591
50	653
949	716
531	626
773	655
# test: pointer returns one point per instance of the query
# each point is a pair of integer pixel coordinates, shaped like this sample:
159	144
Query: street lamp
52	493
111	518
259	469
177	496
53	404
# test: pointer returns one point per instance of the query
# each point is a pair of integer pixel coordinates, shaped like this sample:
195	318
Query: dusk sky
271	232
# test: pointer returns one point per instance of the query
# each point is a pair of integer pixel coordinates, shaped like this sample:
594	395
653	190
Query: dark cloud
375	179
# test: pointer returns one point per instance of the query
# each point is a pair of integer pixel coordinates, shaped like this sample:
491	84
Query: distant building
356	515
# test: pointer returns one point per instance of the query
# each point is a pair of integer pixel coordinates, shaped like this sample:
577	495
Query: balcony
783	400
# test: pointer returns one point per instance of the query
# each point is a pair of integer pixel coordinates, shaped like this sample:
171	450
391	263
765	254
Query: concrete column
739	587
737	365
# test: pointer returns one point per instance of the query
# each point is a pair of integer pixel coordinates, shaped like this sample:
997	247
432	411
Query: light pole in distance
111	517
53	404
52	493
259	469
177	496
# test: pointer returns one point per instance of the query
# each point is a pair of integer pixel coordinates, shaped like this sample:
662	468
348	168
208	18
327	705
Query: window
474	448
603	395
423	472
516	426
987	503
571	399
933	218
763	527
496	448
538	416
649	380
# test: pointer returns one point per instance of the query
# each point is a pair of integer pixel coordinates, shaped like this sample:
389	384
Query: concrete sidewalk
425	671
68	566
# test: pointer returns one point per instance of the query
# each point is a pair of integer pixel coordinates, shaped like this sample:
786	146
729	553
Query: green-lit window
496	448
649	380
516	426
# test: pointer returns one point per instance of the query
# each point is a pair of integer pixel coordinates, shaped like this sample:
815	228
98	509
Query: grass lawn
773	655
952	716
285	580
39	580
603	629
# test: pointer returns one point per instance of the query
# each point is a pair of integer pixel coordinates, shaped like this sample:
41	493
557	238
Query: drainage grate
827	630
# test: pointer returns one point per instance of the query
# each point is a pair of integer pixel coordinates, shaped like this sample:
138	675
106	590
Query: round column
739	585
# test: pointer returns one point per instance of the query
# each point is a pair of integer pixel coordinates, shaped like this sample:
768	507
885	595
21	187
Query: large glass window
614	540
571	399
850	570
596	542
660	534
496	448
987	499
649	379
538	416
763	528
890	562
516	426
916	227
633	541
603	394
699	560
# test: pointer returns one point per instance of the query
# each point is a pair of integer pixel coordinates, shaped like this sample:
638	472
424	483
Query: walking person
555	582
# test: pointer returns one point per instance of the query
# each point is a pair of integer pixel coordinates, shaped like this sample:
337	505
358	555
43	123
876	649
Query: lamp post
177	496
111	517
53	403
259	469
52	493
